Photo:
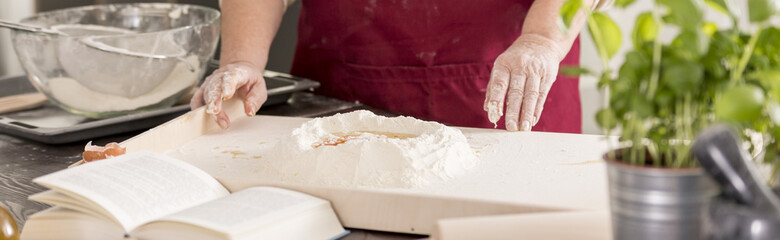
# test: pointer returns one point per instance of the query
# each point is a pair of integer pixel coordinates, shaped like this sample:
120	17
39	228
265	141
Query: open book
145	195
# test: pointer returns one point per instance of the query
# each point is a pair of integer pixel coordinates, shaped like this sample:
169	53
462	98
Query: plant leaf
609	32
568	11
642	107
769	79
724	6
709	28
691	44
623	3
769	45
761	10
604	81
645	29
724	44
574	71
682	76
606	118
743	103
664	97
688	14
770	157
635	68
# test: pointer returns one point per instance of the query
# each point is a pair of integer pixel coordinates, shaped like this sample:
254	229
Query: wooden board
519	172
586	225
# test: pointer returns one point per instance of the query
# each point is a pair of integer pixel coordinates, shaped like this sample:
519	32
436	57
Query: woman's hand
240	77
248	27
521	77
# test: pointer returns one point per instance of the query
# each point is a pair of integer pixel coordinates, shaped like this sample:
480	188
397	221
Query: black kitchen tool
729	220
747	208
719	152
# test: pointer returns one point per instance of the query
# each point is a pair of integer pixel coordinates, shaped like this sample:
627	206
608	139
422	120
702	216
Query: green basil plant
665	93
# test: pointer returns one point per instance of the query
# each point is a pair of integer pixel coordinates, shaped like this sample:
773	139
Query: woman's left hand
522	76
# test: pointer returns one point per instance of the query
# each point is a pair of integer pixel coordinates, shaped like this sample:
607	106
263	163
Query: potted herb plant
665	93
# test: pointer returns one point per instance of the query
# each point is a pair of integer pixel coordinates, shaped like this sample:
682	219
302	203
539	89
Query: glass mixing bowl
112	60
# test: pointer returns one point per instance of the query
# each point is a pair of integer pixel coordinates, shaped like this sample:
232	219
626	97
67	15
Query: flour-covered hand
242	78
522	77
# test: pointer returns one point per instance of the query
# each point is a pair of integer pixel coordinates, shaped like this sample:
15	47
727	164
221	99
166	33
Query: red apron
430	59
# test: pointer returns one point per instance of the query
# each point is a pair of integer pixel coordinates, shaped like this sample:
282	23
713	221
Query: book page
138	187
62	224
247	209
53	197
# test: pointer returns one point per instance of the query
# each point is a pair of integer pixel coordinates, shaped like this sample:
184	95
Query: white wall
12	10
592	99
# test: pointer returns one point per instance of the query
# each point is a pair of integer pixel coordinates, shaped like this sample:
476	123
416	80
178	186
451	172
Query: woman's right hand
243	78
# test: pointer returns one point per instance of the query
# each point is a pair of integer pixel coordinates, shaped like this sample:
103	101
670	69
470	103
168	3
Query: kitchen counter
22	160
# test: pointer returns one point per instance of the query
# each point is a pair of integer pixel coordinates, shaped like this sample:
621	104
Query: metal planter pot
658	203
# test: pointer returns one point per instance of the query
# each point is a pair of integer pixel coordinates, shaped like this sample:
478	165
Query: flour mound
363	149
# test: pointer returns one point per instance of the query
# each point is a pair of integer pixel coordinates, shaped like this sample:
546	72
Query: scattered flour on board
363	149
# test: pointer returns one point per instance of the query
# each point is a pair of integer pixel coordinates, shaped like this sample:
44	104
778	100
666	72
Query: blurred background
283	46
280	57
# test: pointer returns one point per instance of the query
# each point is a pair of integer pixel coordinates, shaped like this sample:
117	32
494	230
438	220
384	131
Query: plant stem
603	56
775	171
655	73
600	44
679	131
656	67
688	115
743	60
639	148
652	148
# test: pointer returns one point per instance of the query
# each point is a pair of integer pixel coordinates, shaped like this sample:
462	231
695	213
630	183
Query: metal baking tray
52	125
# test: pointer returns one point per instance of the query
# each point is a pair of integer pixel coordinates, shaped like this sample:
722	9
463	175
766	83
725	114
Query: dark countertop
22	160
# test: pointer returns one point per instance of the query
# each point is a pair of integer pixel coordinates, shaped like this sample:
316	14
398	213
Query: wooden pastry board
519	172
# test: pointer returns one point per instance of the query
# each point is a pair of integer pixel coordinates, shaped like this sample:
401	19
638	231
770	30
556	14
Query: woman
441	60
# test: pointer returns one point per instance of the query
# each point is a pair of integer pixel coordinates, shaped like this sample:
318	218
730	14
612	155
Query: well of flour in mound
363	149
